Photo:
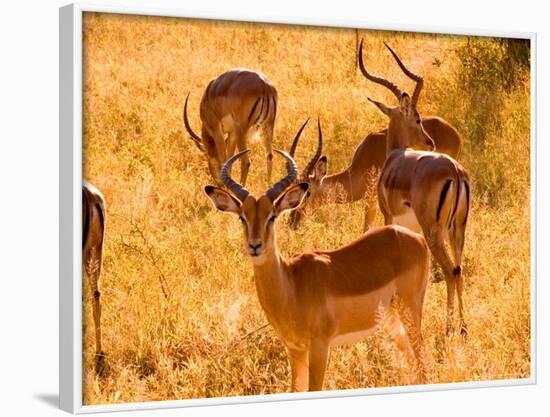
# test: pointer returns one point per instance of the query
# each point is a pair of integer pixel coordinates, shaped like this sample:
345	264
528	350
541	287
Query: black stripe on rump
101	211
467	201
442	198
452	218
253	109
258	119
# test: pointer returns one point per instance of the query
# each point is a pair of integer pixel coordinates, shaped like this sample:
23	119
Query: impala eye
418	121
241	218
272	219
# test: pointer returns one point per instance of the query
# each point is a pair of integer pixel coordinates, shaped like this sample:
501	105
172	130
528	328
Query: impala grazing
318	299
93	231
427	192
240	103
354	182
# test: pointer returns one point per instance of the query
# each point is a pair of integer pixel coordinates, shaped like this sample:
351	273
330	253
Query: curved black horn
231	184
417	78
196	138
292	173
379	80
311	164
295	141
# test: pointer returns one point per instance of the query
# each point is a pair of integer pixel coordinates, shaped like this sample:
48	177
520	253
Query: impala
241	104
318	299
355	182
426	191
93	230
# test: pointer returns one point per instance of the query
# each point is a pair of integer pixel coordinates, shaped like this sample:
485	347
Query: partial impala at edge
93	232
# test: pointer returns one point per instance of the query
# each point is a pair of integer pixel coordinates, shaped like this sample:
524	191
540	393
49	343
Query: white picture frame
70	183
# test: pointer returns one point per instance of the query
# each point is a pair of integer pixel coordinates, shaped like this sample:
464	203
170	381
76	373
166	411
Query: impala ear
222	200
381	106
321	168
292	198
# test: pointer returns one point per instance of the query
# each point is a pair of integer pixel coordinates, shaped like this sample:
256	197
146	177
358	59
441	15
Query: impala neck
271	276
395	137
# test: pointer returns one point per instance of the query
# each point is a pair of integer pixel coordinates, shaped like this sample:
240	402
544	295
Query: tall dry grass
180	313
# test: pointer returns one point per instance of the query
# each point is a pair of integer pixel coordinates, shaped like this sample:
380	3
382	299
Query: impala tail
452	214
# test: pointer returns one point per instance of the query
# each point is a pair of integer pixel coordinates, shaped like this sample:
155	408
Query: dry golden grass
180	313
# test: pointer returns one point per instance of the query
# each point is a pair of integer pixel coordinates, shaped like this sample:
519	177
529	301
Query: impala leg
93	270
214	165
231	144
245	159
419	352
370	197
412	317
370	212
457	238
388	219
406	330
318	355
451	293
460	289
214	142
436	242
299	367
399	337
100	356
219	142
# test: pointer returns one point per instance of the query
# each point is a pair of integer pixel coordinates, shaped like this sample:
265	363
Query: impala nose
254	247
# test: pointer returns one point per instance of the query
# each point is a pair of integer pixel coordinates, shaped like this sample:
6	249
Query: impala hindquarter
444	220
235	106
434	201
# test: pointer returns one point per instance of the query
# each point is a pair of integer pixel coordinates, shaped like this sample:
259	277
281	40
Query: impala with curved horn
425	191
93	231
323	298
239	103
354	182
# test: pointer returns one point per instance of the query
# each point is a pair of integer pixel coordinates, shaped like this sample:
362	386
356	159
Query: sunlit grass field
181	317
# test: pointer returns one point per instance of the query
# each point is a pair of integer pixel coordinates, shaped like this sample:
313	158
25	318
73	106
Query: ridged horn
378	80
311	164
292	173
240	192
296	138
417	78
